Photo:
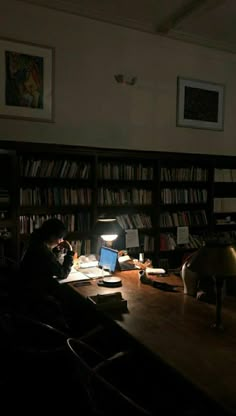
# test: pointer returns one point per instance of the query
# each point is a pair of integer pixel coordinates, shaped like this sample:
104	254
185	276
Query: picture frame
200	104
26	81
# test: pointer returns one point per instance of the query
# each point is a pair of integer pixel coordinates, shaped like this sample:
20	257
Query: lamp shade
214	259
107	228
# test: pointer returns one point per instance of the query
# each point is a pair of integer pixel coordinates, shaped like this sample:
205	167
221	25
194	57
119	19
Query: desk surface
176	327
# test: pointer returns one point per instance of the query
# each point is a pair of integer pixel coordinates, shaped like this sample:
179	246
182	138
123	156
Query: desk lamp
108	229
217	260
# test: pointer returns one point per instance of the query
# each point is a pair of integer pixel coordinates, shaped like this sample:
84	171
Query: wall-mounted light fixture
124	79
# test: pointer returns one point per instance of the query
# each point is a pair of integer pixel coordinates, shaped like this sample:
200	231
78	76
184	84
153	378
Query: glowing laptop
106	265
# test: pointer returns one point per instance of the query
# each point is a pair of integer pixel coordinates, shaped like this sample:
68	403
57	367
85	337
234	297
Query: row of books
108	196
183	196
4	196
81	247
224	205
194	174
225	175
79	222
138	221
55	168
55	196
225	221
146	244
182	218
124	171
168	241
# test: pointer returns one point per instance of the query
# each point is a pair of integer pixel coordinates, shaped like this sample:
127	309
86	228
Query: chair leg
91	333
103	397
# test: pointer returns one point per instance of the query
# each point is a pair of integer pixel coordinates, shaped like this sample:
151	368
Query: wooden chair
35	364
31	348
102	397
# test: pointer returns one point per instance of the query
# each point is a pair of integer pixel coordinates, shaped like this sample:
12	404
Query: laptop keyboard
88	264
95	272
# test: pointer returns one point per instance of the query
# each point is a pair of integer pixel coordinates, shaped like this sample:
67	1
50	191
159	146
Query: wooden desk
176	328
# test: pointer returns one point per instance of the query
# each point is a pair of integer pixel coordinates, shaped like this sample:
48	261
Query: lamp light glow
107	229
109	237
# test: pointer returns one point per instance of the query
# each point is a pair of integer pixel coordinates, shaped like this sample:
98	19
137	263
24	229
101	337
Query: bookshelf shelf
27	210
8	212
224	197
153	192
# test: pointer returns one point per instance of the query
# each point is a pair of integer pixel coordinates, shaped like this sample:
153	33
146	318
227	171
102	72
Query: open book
74	276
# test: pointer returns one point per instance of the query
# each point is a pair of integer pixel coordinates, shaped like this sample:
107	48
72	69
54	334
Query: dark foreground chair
36	370
30	340
36	367
102	397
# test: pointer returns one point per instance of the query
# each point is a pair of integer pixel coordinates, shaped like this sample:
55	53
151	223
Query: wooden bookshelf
224	197
8	207
153	192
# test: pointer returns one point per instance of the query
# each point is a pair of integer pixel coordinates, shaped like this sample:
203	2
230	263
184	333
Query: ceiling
211	23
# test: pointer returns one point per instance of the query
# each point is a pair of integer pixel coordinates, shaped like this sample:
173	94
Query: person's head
52	232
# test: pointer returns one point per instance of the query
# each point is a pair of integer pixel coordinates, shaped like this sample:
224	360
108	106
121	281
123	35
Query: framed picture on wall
26	81
200	104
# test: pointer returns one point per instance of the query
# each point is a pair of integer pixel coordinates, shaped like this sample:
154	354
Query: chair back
102	397
32	348
31	335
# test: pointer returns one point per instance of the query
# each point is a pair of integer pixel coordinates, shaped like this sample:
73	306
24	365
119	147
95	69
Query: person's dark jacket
40	265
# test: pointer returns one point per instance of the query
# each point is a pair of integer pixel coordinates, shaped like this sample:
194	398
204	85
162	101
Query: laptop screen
108	258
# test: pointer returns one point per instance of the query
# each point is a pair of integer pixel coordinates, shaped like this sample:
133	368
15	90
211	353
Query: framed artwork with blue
26	81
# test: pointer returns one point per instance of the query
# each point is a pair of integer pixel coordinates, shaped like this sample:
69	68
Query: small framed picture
200	104
26	81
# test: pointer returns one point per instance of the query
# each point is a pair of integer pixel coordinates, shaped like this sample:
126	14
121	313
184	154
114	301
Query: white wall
91	109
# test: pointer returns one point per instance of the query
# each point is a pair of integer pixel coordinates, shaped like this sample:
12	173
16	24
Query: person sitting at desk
43	259
47	258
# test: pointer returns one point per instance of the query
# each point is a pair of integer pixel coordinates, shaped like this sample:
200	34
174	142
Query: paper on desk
122	259
88	264
74	276
154	270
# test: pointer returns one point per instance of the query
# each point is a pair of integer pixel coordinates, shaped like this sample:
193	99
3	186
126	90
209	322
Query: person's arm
58	269
39	265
